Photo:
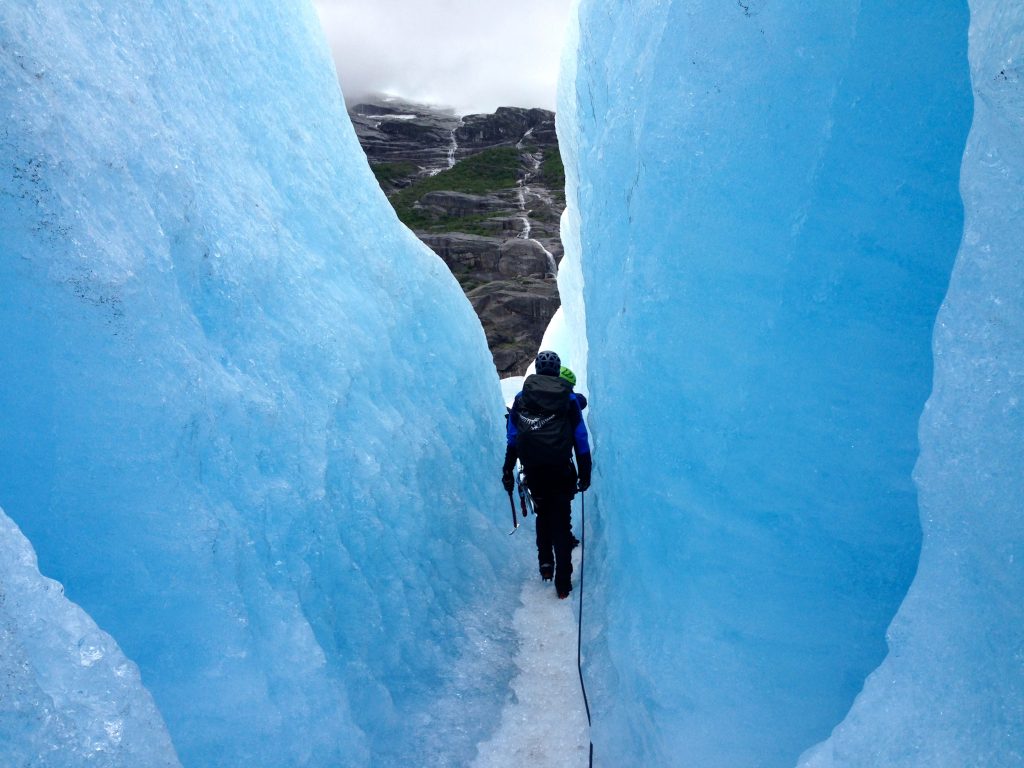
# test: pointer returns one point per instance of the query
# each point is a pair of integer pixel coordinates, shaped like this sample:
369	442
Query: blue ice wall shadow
236	390
771	213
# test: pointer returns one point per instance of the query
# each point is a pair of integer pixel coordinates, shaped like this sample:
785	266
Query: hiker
581	399
569	376
545	425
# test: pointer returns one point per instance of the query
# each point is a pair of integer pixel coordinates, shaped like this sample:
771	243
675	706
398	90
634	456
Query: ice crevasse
802	283
252	426
249	421
69	697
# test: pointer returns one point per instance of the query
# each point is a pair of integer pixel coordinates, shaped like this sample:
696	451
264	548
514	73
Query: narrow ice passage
544	725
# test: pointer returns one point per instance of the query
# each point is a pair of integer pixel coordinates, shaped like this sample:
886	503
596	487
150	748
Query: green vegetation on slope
391	173
553	172
478	174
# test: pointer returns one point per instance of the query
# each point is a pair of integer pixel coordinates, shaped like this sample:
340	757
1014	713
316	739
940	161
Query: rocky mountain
485	192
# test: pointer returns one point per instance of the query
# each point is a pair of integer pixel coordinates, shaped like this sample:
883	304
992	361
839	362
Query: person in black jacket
545	427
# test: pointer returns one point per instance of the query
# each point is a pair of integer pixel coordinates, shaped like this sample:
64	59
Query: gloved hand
508	467
583	484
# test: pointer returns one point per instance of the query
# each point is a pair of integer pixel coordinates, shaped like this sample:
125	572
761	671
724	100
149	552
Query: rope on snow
579	627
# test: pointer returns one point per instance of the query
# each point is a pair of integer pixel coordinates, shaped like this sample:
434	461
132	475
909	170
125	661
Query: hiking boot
547	571
564	593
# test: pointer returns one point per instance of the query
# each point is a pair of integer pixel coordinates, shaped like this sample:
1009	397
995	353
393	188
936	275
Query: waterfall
525	218
522	189
519	144
552	264
454	145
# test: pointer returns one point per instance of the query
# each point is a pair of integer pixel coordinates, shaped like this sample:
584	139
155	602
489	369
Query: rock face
485	193
506	126
512	311
389	134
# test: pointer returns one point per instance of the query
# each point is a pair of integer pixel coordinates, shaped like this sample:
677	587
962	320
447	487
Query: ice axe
525	503
515	520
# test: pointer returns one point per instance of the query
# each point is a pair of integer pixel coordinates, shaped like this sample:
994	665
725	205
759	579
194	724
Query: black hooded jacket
544	400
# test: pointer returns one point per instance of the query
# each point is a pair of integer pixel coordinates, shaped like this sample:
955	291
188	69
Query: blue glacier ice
249	422
766	198
252	427
68	696
951	692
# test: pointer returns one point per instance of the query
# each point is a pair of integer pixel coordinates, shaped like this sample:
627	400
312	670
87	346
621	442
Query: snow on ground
545	724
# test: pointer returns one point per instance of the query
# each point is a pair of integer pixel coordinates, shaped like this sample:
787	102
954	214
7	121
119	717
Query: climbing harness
579	626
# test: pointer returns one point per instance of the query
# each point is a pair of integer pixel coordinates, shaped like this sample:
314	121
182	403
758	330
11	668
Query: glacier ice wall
951	692
769	208
569	336
249	422
68	696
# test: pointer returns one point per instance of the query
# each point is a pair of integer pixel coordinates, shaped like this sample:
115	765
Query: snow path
545	723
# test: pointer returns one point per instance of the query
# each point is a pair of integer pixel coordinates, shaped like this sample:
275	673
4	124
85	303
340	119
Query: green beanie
568	375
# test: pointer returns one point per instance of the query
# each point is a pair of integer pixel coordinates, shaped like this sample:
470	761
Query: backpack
544	429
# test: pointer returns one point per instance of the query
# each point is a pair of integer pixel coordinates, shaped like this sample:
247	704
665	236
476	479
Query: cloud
473	55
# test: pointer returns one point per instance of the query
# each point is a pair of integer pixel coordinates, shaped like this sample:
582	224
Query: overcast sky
473	55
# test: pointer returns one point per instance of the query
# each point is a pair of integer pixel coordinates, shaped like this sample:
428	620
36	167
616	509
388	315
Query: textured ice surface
768	208
249	422
951	692
571	316
68	696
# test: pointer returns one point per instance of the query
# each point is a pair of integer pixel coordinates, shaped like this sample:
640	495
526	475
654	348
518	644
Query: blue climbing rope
579	626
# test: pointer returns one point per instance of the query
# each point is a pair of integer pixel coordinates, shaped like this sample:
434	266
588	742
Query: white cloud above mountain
472	55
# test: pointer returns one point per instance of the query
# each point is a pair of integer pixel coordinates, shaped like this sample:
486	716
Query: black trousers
552	489
554	536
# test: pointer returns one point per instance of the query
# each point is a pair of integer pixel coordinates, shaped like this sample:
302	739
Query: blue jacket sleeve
580	436
510	423
511	454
